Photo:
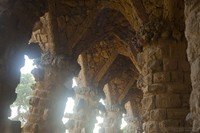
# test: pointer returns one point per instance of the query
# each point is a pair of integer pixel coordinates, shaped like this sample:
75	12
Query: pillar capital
87	92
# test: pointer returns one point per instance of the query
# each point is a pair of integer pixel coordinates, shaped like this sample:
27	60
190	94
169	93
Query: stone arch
103	26
162	60
117	84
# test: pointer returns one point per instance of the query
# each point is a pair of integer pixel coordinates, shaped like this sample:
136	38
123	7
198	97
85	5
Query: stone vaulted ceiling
101	30
118	44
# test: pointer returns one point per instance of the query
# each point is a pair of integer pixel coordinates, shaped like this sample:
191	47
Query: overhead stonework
141	57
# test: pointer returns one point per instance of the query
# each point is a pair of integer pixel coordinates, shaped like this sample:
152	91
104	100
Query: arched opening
149	34
20	108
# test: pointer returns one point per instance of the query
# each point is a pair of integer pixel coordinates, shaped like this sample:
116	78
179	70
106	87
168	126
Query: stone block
178	88
169	123
168	100
170	64
151	127
195	73
177	113
156	88
148	102
160	77
174	126
158	114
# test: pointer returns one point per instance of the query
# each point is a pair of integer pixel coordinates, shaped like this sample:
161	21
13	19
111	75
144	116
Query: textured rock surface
108	35
165	86
53	82
133	115
192	11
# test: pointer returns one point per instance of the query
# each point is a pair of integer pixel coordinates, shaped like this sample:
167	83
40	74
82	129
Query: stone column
85	110
113	115
192	11
133	117
112	119
53	77
166	86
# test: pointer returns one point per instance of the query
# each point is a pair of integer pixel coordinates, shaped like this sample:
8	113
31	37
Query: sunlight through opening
19	109
124	123
28	67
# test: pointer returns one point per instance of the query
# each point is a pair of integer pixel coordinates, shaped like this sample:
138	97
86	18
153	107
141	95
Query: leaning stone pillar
86	108
166	86
53	77
112	119
133	117
192	11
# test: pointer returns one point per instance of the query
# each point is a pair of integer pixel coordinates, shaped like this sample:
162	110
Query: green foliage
24	92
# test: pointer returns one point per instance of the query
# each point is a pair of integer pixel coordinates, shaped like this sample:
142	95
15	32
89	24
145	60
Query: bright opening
28	67
69	105
24	91
19	109
99	120
124	123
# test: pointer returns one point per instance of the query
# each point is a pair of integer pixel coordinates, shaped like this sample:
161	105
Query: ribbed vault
132	53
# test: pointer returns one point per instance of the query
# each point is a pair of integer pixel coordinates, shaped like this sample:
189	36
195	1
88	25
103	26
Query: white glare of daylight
97	127
74	83
13	113
68	108
102	101
124	123
28	67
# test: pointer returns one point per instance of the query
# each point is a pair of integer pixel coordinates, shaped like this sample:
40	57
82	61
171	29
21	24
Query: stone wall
166	86
192	11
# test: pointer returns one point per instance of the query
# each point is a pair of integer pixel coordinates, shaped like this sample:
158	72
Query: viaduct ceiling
102	31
